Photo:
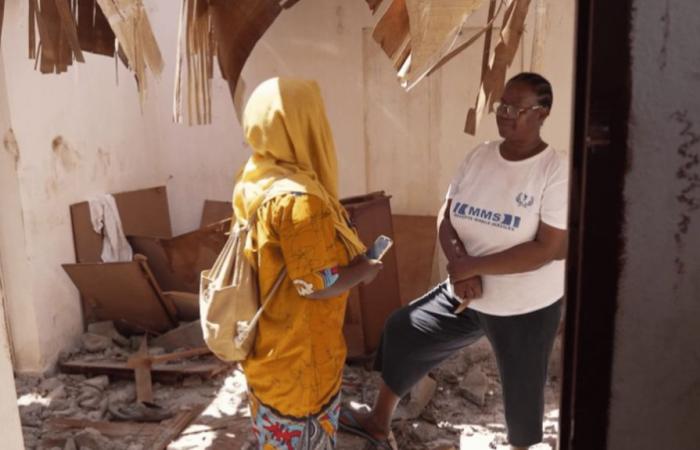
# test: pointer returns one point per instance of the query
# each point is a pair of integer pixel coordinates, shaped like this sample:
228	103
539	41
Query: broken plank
237	27
108	429
172	428
69	28
142	373
159	372
392	32
140	358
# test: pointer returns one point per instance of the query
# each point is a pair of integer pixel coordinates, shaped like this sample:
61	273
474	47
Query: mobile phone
381	245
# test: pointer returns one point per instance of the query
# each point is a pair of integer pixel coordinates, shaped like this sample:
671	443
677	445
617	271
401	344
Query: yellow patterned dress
295	371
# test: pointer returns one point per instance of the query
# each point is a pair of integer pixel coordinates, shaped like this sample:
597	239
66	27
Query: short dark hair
539	84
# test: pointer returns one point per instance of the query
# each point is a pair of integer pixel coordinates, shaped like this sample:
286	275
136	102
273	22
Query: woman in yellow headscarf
291	183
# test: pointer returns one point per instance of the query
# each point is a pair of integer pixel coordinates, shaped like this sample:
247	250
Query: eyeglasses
513	112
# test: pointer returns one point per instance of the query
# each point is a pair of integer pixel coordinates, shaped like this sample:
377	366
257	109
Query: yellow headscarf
286	126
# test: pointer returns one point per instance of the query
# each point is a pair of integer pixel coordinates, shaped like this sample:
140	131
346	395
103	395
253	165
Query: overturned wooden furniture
369	306
149	293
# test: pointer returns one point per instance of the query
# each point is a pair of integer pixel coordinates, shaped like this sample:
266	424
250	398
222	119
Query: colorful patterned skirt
275	431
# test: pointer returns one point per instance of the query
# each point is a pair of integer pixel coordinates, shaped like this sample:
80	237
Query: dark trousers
421	335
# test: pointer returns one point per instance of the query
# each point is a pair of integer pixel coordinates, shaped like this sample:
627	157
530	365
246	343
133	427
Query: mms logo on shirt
524	200
486	216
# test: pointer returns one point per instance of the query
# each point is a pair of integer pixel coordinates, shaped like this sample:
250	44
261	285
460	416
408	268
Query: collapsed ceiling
418	36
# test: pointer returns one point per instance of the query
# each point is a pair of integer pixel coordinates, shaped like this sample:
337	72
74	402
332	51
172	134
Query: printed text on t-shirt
486	216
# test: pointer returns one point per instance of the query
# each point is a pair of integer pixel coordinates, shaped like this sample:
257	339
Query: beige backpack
229	301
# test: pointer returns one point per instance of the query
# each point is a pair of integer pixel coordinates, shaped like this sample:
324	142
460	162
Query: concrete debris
92	438
100	382
460	403
70	444
479	352
475	386
192	381
50	384
420	396
95	342
107	329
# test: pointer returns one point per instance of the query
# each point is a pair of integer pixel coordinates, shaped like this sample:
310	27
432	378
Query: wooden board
215	211
186	304
352	327
159	372
121	291
371	214
178	262
237	28
143	213
415	238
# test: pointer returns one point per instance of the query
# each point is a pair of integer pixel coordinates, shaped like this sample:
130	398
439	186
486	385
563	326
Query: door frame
594	264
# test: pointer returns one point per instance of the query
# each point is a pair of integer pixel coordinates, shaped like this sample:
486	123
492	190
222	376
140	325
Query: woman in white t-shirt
503	230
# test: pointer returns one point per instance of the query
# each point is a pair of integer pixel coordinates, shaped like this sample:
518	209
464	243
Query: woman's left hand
461	268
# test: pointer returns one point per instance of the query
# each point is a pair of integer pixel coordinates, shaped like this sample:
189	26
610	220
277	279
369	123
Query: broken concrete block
107	329
100	382
58	393
92	438
95	342
70	445
478	351
421	394
50	384
127	394
30	415
90	402
475	386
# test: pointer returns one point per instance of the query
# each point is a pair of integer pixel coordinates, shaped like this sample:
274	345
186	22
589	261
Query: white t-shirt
498	204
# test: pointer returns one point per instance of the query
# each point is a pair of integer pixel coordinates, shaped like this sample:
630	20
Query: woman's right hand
370	268
469	289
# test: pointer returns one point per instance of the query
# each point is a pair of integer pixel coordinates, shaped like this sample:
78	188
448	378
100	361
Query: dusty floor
465	412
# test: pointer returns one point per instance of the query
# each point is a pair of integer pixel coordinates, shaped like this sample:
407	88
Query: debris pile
460	403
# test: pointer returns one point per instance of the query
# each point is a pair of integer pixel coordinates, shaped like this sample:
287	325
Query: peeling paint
10	144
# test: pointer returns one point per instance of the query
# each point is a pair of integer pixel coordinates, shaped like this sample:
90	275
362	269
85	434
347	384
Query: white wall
9	415
105	145
111	146
656	382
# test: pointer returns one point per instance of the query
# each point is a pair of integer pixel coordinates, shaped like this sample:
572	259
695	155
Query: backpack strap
253	322
241	337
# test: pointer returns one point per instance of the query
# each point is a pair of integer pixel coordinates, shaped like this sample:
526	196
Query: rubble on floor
79	412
